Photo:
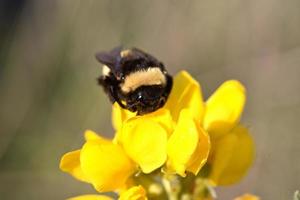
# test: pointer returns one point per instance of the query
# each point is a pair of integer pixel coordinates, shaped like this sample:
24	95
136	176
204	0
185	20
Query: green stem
203	190
171	186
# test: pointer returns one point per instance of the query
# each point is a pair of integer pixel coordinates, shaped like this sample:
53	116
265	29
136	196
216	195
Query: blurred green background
49	93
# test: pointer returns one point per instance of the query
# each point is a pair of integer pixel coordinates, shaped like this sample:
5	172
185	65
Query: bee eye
139	96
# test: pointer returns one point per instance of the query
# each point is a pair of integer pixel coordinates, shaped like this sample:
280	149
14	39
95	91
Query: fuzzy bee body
134	79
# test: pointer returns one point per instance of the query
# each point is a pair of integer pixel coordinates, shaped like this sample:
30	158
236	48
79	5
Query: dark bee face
134	79
146	99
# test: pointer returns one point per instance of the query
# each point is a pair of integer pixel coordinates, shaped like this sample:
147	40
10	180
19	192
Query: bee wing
110	58
105	58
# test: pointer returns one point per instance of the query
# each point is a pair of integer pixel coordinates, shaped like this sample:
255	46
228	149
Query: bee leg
106	85
114	95
131	107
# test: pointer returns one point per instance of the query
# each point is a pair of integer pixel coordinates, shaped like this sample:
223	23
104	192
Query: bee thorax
150	76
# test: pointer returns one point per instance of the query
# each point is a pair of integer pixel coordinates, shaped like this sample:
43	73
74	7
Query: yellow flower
224	108
247	197
232	146
231	156
191	120
177	137
145	141
91	197
119	115
186	93
134	193
188	146
170	135
100	162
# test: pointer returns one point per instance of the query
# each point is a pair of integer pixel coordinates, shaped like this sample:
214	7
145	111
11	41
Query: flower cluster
186	138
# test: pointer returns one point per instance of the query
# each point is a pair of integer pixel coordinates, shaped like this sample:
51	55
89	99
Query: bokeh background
49	93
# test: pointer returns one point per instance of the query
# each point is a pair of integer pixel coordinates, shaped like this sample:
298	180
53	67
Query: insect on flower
134	79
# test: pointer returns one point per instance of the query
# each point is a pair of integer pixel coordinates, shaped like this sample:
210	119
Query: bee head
146	99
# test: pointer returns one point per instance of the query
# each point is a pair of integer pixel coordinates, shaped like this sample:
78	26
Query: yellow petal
118	137
145	141
105	164
134	193
247	197
231	157
186	93
119	115
70	163
182	143
224	108
201	153
162	117
91	197
91	135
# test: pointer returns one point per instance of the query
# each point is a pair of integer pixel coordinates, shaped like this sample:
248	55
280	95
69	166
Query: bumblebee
134	79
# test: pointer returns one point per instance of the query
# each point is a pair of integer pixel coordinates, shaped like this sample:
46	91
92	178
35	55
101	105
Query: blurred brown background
49	94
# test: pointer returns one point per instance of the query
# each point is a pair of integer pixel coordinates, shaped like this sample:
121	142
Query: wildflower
91	197
145	141
133	193
188	146
232	147
247	197
224	108
99	162
170	135
232	150
183	136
